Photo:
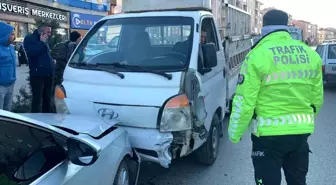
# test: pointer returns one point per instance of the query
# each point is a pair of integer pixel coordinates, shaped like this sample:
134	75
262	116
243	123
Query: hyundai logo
108	113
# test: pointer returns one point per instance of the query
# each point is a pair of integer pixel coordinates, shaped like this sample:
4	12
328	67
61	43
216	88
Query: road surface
234	166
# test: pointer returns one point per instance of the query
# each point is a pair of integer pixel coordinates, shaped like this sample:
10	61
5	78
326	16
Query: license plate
333	68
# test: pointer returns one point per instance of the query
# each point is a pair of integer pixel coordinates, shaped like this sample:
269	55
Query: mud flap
135	166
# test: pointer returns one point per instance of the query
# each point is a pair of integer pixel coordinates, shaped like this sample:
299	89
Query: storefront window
22	30
63	32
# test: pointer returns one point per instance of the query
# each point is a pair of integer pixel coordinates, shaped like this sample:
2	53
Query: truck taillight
323	69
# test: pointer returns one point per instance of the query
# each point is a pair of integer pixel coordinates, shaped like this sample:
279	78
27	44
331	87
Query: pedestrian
203	37
22	56
306	42
7	65
62	53
41	68
279	93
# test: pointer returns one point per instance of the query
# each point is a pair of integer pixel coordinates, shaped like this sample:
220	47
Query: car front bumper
151	145
329	78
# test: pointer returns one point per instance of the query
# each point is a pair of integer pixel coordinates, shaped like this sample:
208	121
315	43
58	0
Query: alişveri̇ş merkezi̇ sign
6	7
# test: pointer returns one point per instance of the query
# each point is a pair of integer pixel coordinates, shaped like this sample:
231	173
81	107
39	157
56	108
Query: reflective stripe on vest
244	69
291	75
234	118
289	119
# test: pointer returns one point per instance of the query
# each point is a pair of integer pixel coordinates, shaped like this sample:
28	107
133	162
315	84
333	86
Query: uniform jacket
38	54
280	86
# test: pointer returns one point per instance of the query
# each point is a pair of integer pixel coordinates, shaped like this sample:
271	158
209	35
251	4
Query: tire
208	152
123	171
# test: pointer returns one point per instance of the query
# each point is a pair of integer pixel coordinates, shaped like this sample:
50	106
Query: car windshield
161	43
332	51
27	152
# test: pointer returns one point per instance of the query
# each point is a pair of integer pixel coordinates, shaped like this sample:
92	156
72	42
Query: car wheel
207	153
122	176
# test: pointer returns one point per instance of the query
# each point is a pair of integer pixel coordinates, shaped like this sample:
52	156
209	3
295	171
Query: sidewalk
21	76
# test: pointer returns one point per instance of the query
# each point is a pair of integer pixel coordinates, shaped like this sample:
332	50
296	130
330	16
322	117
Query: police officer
279	93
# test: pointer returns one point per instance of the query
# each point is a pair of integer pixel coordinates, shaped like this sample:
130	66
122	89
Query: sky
319	12
314	11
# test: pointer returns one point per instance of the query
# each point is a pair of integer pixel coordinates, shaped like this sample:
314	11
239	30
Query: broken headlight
60	104
176	115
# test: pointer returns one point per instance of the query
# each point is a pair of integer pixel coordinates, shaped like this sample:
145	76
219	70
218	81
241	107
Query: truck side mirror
209	55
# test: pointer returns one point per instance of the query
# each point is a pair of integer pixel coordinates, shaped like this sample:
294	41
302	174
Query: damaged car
54	149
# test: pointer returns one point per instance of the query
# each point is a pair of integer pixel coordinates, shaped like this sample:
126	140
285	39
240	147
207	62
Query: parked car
50	149
327	51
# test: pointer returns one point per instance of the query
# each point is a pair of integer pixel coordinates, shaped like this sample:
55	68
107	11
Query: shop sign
83	21
25	9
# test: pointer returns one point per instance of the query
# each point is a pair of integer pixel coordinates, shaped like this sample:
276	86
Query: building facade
321	35
310	31
330	33
254	8
290	19
326	34
22	14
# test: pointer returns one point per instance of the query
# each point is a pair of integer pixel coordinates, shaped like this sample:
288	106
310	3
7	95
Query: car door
330	67
214	84
29	153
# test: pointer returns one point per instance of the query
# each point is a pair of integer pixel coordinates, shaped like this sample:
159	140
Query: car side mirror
82	152
209	55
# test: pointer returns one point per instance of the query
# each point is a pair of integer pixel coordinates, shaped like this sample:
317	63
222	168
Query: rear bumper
151	145
329	78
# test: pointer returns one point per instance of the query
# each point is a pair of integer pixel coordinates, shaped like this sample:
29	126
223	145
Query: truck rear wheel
207	153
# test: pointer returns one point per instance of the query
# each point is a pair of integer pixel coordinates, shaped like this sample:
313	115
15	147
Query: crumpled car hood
93	126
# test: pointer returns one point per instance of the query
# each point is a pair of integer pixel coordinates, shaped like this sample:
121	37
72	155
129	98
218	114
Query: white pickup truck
169	90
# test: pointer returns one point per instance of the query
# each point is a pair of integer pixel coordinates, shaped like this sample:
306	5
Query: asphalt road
234	166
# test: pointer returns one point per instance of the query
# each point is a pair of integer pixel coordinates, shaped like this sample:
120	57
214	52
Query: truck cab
163	78
296	32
